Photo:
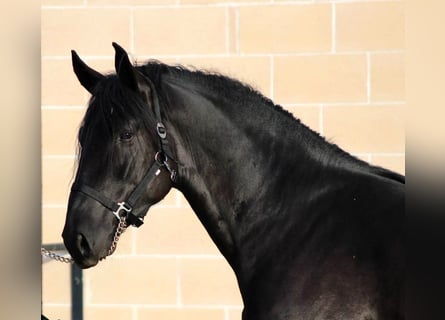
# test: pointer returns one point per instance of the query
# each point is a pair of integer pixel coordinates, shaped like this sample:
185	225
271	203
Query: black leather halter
163	158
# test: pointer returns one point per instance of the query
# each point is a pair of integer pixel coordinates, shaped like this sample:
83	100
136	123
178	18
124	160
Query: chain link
55	256
121	227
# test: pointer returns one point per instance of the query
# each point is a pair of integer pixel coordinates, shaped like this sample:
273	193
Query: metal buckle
122	206
162	160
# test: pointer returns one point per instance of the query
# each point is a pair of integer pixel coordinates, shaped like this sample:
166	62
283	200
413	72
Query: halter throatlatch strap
163	158
168	158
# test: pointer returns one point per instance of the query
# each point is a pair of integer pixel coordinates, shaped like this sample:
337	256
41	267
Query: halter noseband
163	158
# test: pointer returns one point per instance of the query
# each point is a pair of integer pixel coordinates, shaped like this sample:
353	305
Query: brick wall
336	64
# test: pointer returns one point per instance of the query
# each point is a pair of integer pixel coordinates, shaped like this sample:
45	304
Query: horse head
124	162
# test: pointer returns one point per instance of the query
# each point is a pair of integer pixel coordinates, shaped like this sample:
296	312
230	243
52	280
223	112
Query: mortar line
334	28
368	77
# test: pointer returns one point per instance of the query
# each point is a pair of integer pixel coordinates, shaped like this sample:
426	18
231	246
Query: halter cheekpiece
163	158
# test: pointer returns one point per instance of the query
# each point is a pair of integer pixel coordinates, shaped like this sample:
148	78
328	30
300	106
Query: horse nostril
82	245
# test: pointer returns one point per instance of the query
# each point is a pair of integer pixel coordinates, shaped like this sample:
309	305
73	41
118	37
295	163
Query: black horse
310	231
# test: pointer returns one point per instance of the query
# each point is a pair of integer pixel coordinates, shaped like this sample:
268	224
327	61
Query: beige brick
320	78
133	281
208	281
183	201
366	129
108	312
195	30
53	220
173	231
387	77
171	199
181	314
310	116
56	282
57	176
104	65
370	25
285	29
232	30
395	163
60	85
254	71
88	31
59	130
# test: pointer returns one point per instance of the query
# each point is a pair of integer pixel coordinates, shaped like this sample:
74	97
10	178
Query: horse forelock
111	109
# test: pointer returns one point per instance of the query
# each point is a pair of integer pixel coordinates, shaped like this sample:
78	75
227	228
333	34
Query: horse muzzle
81	250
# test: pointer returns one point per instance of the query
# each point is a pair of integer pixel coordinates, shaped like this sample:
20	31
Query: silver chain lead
55	256
121	227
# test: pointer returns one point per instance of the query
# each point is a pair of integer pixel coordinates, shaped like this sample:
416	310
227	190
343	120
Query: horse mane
214	81
242	93
237	90
227	86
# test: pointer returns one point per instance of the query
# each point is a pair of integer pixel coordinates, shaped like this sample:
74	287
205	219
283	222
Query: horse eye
126	135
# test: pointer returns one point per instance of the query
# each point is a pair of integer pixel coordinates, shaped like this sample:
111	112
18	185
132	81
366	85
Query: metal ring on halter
160	157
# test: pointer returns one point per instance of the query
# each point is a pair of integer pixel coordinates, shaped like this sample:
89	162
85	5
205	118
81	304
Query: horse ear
124	69
128	74
88	77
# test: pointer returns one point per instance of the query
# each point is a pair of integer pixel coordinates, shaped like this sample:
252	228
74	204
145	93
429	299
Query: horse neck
231	161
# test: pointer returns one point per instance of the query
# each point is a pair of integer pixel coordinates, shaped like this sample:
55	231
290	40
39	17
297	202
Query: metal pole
76	293
76	283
